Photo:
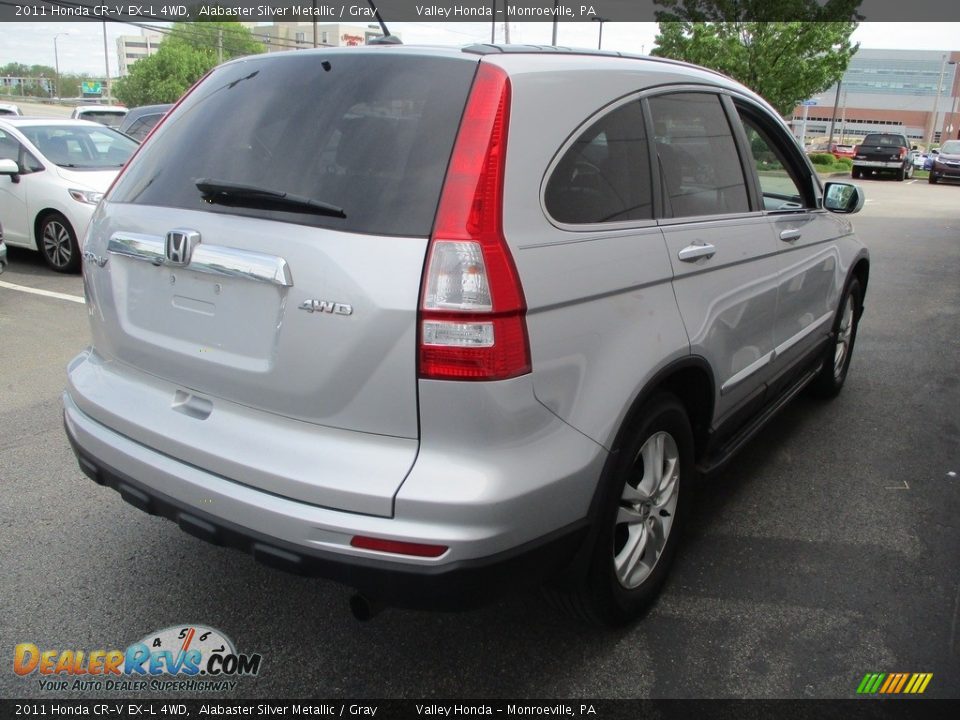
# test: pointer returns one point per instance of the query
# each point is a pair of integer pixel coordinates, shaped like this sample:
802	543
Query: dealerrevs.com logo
177	658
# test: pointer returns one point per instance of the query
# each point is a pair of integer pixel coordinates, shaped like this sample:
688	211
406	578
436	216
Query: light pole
936	102
953	106
56	62
600	20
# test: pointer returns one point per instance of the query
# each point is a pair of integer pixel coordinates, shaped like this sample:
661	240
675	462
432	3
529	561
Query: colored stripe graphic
894	683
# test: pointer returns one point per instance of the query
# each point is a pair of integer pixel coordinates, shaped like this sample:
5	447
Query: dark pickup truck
883	152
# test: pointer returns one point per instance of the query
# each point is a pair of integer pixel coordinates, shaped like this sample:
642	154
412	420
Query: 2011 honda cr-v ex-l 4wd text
433	322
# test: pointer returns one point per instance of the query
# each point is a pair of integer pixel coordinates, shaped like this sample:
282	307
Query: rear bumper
879	164
495	542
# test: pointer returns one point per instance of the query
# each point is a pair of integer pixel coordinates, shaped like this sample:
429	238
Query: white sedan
52	175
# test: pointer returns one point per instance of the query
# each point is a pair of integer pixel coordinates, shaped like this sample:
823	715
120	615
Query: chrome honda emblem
180	245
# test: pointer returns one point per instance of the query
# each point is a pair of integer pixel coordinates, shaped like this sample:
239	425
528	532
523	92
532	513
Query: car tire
909	171
931	178
900	174
640	522
855	173
836	358
57	242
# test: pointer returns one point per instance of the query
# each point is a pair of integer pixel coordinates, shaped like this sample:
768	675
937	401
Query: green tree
214	38
785	51
183	57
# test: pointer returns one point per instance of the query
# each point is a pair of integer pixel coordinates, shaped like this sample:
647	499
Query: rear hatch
264	251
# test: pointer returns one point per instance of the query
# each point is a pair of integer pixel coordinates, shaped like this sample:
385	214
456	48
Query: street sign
809	102
91	87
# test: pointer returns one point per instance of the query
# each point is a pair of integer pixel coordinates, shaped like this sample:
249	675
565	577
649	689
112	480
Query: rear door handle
696	251
790	235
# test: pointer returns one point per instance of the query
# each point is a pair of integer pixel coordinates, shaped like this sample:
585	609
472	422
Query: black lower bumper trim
453	586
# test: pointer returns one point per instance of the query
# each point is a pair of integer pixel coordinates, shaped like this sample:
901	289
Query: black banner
359	11
393	709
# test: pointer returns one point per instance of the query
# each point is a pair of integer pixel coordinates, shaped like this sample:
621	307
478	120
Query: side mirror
10	167
840	197
913	147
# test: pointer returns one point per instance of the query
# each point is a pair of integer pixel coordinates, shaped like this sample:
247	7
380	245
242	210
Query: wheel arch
860	271
691	380
38	221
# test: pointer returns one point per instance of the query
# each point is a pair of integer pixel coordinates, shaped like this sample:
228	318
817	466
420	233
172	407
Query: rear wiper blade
223	192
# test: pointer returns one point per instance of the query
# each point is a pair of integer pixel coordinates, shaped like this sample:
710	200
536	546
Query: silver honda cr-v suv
432	322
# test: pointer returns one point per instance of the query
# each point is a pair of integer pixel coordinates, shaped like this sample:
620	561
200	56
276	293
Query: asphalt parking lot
826	550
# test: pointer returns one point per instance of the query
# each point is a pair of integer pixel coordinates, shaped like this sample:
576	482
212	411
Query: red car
842	151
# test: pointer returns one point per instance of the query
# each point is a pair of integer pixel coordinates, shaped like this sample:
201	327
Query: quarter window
697	156
605	175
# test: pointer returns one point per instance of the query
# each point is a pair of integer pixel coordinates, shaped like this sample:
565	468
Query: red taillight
472	323
856	149
396	547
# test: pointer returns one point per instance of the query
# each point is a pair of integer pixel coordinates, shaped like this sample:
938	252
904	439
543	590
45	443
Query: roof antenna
387	38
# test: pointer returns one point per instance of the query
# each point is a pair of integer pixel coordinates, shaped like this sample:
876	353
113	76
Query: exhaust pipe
363	608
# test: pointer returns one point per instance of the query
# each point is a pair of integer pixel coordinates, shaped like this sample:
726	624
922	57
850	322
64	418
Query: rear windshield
888	140
371	134
112	118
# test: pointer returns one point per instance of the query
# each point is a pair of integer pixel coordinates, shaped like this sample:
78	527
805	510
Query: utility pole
219	45
314	23
833	118
56	62
600	20
936	102
106	62
556	15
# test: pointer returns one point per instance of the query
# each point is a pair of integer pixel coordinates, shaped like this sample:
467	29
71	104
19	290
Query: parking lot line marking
44	293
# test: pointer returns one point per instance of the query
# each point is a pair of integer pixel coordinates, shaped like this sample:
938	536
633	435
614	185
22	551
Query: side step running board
732	446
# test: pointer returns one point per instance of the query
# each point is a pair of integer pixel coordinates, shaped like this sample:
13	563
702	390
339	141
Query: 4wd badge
326	306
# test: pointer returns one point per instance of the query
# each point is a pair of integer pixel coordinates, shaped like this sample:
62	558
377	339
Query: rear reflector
472	313
396	547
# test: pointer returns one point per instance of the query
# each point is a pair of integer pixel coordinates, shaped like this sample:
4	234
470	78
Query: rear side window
371	134
605	175
697	155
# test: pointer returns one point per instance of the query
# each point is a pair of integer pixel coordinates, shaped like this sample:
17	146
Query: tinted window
111	118
885	140
697	156
371	134
605	175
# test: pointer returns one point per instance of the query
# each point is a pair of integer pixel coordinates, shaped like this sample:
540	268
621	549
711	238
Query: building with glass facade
915	92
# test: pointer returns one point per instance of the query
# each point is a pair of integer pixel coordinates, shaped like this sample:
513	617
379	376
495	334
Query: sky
80	50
